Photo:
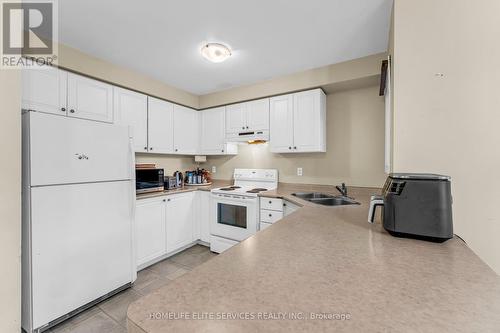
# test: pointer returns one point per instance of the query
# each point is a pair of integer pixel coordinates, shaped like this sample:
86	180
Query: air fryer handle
376	200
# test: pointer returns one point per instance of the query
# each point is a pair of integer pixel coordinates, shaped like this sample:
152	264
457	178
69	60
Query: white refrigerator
78	216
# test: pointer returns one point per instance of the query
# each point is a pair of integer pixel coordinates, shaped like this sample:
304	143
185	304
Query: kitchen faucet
342	190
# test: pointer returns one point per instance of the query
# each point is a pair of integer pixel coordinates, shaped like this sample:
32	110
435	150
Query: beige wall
354	71
450	124
355	146
170	163
10	201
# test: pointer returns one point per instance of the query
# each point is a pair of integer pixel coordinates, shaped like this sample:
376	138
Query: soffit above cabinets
162	39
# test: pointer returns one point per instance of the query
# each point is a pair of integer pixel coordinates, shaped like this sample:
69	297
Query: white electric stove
234	209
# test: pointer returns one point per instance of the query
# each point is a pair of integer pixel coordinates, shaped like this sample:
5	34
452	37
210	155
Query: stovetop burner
226	189
257	190
234	187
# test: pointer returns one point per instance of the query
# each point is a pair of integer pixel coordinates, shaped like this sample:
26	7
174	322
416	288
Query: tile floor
110	316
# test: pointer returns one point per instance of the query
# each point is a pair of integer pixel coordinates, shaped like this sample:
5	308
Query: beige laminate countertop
328	260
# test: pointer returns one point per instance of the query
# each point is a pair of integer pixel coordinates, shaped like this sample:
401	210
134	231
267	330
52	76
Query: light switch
214	169
299	171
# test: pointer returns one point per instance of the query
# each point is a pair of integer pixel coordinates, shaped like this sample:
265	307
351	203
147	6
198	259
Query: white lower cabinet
150	229
179	218
273	210
168	223
204	216
289	207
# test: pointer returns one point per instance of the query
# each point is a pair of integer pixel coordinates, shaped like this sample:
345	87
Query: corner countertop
329	261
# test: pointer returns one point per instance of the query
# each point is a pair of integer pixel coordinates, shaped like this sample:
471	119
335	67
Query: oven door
233	217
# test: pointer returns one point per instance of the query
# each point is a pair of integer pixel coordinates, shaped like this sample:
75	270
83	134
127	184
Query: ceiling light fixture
215	52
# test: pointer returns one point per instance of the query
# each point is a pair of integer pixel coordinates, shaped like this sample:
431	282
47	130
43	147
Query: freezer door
67	150
81	245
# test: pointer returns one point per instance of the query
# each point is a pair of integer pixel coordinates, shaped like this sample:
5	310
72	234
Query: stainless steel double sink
325	199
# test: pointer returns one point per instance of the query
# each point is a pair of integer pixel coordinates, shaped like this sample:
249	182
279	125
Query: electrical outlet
214	169
299	171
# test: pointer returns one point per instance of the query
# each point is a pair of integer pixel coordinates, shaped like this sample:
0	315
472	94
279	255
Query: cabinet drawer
271	204
270	216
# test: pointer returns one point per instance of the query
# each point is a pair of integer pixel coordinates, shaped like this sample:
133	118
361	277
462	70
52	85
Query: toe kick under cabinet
274	209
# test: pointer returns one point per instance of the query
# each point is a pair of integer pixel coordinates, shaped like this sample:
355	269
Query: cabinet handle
294	147
164	200
243	127
176	149
222	150
145	148
151	148
270	215
63	109
284	204
289	147
270	202
168	199
72	111
247	127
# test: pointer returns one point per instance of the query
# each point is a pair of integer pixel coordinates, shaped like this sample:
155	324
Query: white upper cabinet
298	122
257	115
160	126
213	134
186	130
248	116
45	90
213	131
235	118
281	124
309	121
56	91
131	109
179	213
89	99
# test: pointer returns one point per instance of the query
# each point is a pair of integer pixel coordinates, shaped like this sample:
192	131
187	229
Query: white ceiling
162	38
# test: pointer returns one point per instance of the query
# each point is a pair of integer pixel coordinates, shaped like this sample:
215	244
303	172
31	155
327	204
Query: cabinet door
186	130
257	114
236	118
160	126
212	131
150	229
179	210
204	219
281	124
131	109
289	207
44	90
89	99
309	121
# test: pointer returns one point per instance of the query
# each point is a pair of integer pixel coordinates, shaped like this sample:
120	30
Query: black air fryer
416	206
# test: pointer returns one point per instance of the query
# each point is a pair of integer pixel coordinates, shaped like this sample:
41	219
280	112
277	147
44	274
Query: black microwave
149	180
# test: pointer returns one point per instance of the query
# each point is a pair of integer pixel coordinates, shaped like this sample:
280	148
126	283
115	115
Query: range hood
258	136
